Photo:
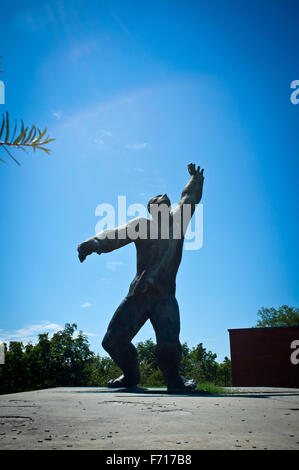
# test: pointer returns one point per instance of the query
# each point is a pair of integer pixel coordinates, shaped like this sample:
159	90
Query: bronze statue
159	244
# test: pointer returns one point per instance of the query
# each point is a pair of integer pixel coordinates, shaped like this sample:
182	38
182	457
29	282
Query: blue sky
133	91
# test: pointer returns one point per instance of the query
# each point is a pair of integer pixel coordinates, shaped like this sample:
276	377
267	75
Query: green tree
69	356
150	374
38	364
146	352
224	373
186	365
204	365
283	316
14	376
63	360
101	370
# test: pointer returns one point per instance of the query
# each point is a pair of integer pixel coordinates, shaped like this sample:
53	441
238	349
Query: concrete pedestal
100	418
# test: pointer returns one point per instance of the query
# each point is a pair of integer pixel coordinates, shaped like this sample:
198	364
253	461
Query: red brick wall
263	357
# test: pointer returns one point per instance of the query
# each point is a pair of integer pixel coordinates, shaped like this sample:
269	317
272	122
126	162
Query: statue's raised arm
192	192
191	195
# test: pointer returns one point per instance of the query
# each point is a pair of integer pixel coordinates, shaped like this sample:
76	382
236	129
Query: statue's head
161	199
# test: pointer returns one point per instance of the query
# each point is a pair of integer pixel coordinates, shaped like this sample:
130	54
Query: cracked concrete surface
100	418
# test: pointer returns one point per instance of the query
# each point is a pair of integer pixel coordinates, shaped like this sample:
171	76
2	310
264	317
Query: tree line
65	360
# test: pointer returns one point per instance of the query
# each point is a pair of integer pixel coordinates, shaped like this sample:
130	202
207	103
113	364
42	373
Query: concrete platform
152	419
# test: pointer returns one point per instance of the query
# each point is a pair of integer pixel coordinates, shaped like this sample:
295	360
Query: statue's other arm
106	241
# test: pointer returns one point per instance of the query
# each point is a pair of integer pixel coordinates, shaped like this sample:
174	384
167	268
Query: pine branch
23	138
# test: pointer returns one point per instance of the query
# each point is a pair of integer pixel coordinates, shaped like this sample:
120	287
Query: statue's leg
125	324
166	322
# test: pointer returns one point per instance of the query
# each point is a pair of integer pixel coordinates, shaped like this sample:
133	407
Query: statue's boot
181	385
121	382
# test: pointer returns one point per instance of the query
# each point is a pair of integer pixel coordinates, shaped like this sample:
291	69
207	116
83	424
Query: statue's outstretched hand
193	171
87	248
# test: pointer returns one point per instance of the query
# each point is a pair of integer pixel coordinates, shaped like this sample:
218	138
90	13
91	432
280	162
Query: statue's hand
192	169
87	248
195	172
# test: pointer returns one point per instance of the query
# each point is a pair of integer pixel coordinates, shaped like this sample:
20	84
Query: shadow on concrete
195	393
